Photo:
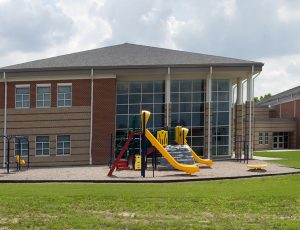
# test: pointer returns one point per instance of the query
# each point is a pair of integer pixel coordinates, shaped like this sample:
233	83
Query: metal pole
143	145
27	153
19	154
8	150
111	150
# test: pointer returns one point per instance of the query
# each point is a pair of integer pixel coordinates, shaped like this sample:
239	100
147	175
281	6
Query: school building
277	121
69	106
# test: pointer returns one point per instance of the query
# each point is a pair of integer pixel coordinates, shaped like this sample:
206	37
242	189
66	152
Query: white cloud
279	74
248	30
289	13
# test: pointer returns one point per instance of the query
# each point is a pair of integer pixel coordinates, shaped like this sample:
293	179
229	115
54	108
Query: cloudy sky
259	30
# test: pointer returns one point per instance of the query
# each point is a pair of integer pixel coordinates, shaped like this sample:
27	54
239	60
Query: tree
261	98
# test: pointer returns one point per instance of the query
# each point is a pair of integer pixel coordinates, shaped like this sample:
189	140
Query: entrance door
280	140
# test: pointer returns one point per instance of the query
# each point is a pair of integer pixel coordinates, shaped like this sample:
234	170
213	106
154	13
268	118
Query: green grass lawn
290	158
263	203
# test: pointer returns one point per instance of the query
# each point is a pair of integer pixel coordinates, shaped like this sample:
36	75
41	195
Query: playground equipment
145	115
257	167
18	160
140	162
180	138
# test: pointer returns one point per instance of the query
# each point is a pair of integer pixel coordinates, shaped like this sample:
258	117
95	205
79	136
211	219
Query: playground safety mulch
98	174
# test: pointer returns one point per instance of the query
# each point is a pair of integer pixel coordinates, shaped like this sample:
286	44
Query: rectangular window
64	95
63	145
261	139
21	146
220	116
43	96
266	138
22	96
42	146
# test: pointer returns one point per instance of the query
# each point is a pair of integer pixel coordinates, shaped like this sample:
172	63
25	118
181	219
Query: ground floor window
220	117
42	146
63	145
21	146
187	110
263	138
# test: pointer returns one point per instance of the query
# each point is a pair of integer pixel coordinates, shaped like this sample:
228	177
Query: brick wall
81	92
103	119
1	95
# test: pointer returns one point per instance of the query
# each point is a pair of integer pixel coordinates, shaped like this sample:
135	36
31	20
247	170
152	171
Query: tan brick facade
73	121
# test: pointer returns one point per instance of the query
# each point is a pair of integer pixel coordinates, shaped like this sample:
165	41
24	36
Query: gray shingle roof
282	97
129	55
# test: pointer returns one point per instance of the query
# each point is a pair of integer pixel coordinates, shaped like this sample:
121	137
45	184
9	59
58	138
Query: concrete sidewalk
267	158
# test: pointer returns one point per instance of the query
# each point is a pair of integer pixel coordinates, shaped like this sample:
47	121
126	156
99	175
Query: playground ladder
123	150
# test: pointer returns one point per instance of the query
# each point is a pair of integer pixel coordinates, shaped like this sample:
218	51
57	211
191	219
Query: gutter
208	65
91	118
5	119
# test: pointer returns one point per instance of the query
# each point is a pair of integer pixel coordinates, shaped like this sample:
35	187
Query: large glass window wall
134	96
187	109
220	117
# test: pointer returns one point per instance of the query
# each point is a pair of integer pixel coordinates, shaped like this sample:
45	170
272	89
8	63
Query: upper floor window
22	96
43	96
64	95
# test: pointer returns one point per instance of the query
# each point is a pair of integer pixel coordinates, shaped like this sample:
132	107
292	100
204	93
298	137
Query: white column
5	118
208	102
91	118
250	88
239	96
168	96
230	117
250	101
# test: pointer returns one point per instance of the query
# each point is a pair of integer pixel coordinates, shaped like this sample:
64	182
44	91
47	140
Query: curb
141	181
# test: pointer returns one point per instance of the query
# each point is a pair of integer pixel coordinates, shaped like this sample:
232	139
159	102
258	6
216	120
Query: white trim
63	155
64	84
91	118
5	119
43	85
59	77
23	86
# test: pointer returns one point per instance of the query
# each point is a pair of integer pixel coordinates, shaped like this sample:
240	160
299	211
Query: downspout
230	117
243	110
91	119
5	118
250	82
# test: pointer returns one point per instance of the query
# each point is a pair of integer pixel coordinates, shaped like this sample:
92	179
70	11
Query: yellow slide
190	169
180	138
207	162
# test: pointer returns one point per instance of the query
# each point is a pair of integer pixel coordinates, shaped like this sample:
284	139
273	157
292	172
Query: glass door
280	140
